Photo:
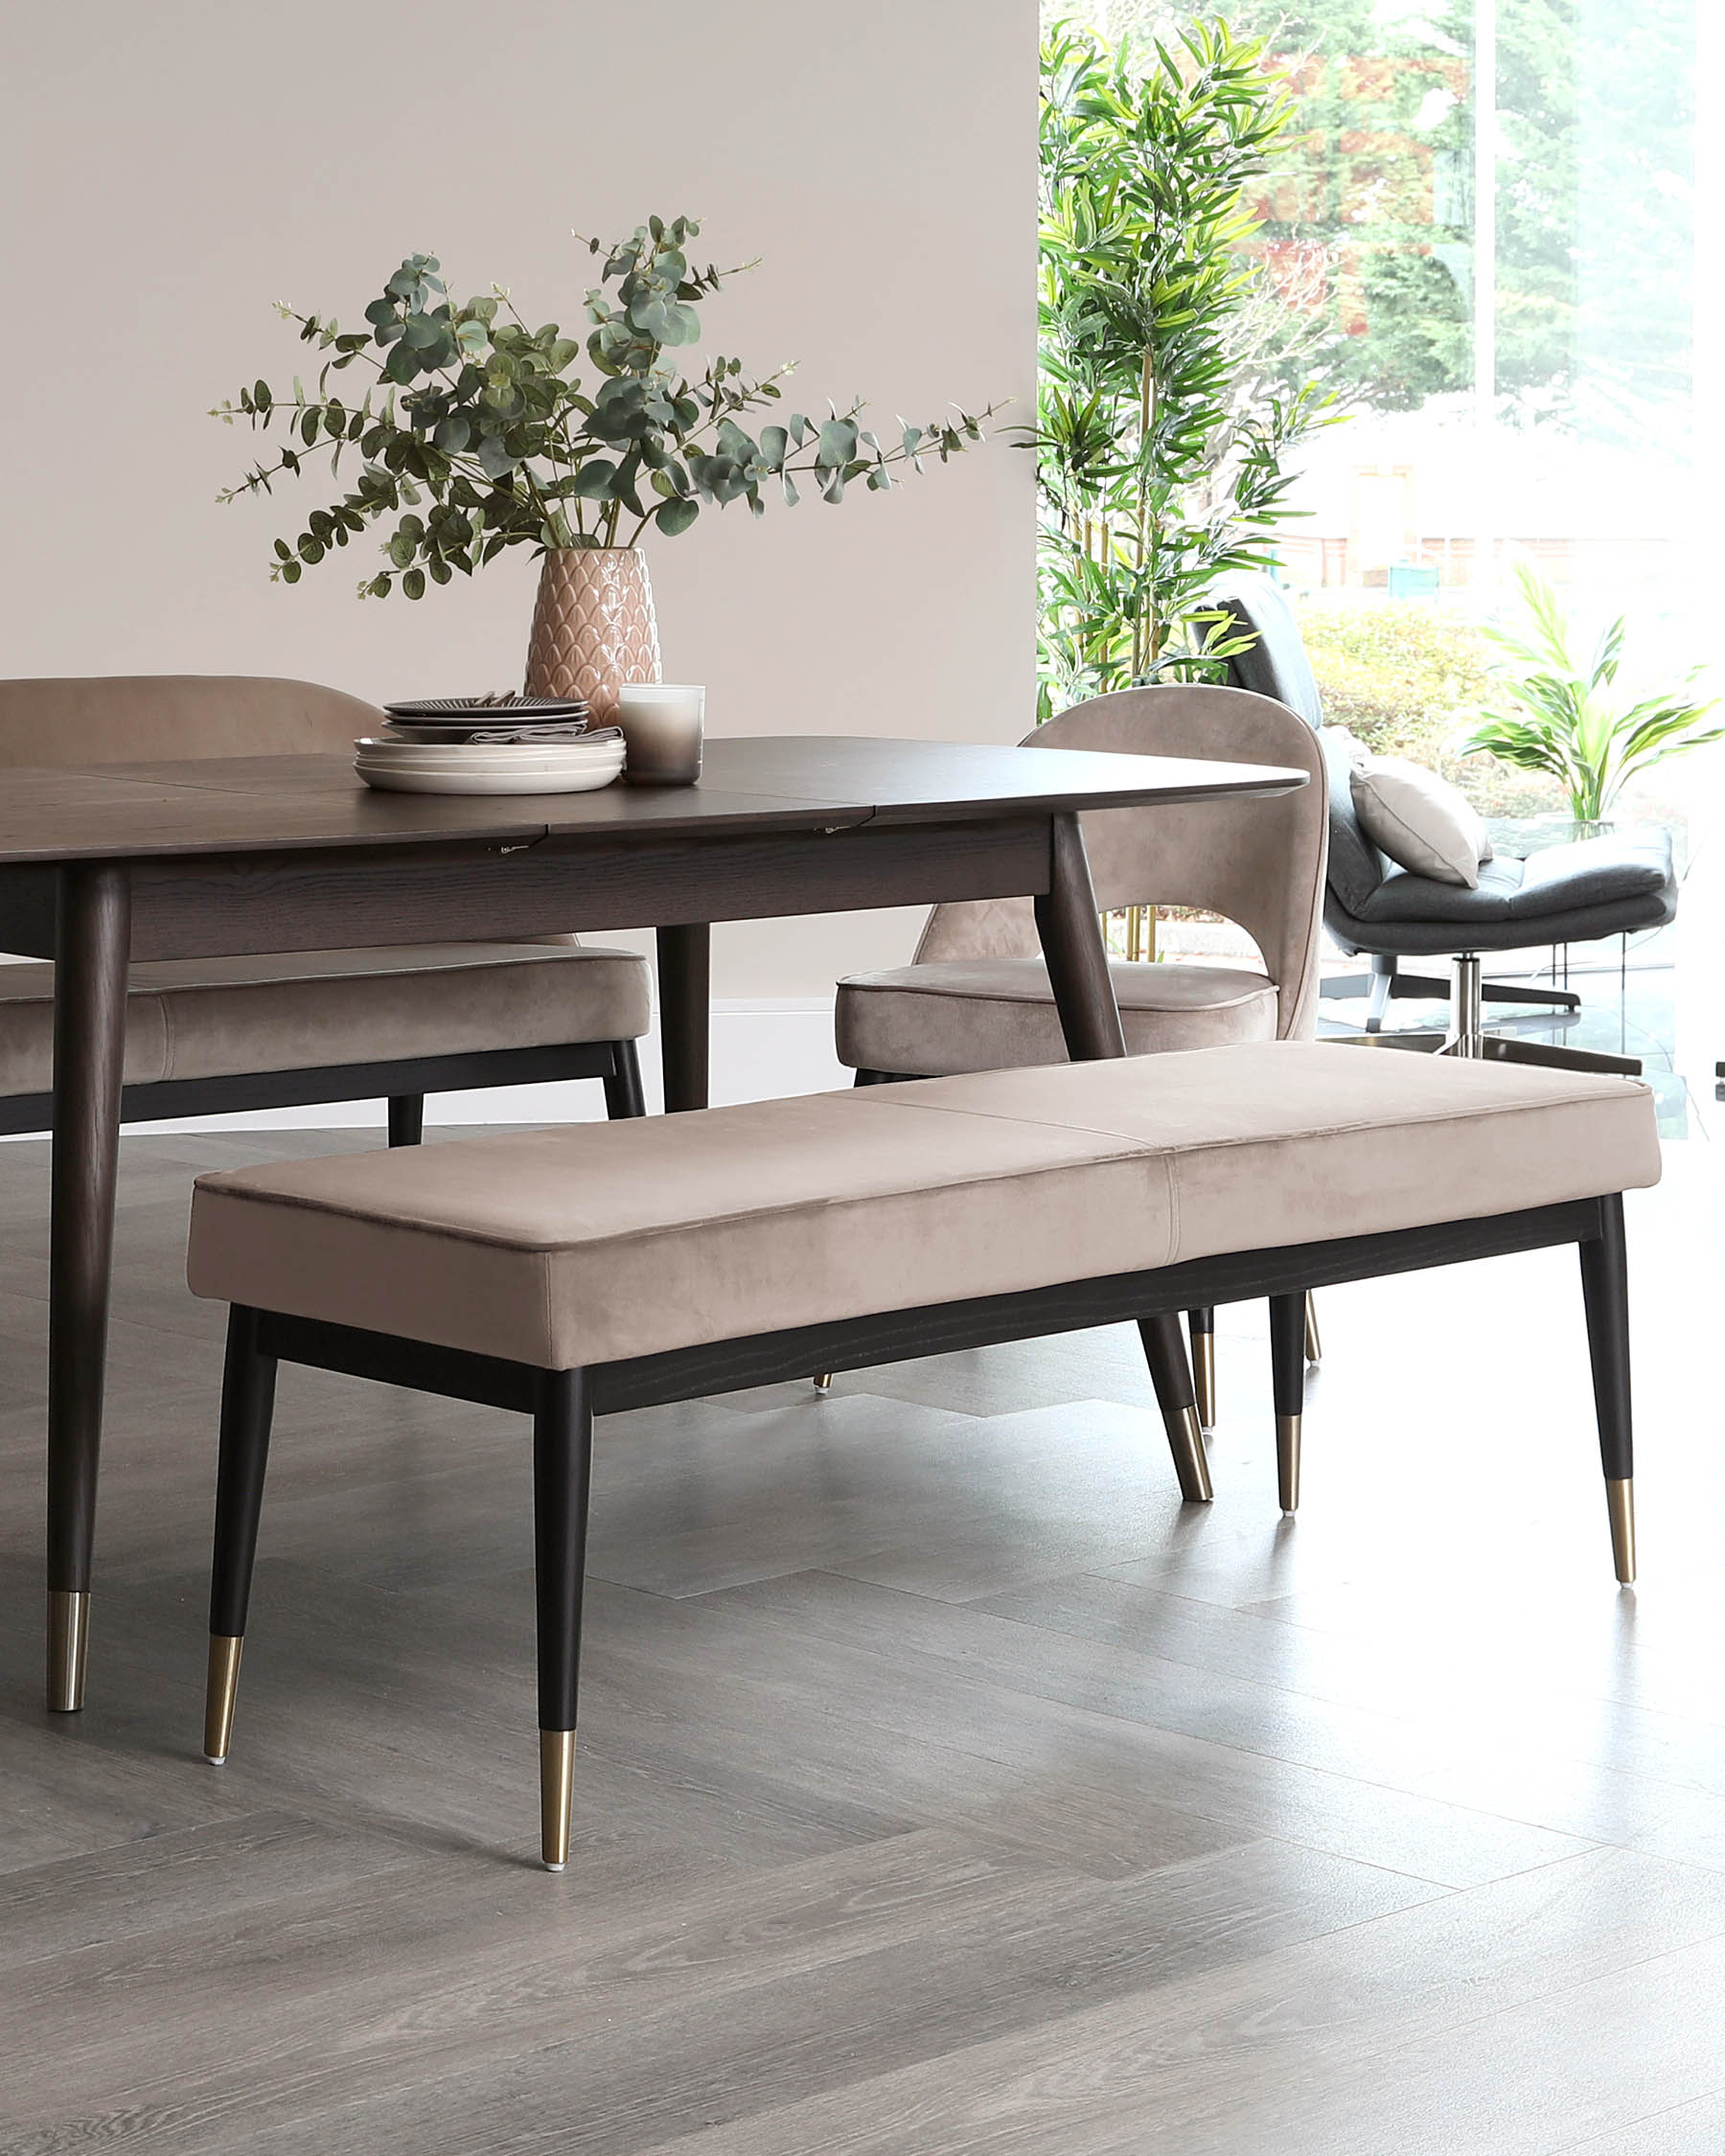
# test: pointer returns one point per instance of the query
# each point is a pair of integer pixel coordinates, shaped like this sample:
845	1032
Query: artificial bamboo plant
1162	431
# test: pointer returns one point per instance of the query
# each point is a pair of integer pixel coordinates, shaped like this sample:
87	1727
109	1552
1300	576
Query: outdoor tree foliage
487	426
1369	231
1160	436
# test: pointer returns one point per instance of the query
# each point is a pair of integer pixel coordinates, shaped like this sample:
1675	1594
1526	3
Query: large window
1482	237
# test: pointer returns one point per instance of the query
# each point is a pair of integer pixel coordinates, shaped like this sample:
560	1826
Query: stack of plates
463	766
448	719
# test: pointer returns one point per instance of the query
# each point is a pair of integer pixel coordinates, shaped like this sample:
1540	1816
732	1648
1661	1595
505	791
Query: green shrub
1408	679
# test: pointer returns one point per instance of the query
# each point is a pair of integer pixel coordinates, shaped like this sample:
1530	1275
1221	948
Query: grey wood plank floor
945	1785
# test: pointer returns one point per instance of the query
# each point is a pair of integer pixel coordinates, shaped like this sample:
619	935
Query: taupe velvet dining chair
215	1035
975	995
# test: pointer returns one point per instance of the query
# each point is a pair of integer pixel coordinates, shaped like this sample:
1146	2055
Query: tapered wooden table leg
684	986
93	947
1071	940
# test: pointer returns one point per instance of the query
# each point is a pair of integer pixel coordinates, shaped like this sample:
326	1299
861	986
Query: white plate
434	763
487	751
435	760
399	778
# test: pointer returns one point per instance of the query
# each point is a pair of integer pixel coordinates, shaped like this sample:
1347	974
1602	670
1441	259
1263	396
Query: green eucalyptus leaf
413	584
676	516
494	460
594	481
837	444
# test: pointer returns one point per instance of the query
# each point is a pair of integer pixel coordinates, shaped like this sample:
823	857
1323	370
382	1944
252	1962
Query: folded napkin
565	729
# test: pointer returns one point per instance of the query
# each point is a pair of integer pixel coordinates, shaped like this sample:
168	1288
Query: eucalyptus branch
488	421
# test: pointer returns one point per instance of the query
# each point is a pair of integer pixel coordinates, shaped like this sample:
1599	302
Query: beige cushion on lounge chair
594	1243
213	1017
996	1014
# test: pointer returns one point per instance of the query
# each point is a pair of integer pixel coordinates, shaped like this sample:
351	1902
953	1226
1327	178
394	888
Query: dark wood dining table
224	856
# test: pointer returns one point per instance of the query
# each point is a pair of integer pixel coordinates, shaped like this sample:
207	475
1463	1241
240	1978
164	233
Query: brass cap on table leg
1203	1377
1314	1340
220	1691
824	1382
1620	1502
68	1643
1287	1462
1186	1441
557	1795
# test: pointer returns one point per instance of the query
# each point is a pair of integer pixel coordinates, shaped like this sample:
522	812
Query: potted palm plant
1570	719
478	432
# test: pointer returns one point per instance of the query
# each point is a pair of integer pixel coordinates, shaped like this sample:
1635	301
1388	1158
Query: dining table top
801	782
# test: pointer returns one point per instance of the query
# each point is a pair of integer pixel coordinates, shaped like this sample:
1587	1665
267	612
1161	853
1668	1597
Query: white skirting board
761	1050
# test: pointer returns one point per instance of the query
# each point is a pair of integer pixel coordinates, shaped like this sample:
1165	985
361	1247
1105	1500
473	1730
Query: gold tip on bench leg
1186	1441
1314	1344
221	1689
824	1382
68	1643
557	1795
1203	1377
1287	1462
1619	1501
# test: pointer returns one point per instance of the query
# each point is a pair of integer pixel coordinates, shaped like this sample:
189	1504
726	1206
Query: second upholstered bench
580	1271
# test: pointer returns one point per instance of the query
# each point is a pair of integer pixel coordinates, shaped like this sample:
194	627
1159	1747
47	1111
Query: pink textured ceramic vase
593	627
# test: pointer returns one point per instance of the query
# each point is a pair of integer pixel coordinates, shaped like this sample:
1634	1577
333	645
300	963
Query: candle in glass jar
661	723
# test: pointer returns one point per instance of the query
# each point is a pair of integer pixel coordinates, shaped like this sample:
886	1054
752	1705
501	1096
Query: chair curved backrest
155	717
1275	663
1259	862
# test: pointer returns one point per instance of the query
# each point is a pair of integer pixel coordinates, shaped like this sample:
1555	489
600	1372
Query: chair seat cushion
997	1014
596	1242
219	1017
1595	887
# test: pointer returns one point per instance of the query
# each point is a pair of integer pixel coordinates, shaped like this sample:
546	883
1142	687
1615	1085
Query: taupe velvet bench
582	1271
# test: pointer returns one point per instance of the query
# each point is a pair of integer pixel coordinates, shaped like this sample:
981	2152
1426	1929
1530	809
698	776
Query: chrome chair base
1467	1038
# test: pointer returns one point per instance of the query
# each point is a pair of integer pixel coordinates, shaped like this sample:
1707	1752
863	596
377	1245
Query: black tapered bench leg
1171	1375
563	1466
406	1119
247	1407
1287	1371
623	1094
1605	1291
1202	1324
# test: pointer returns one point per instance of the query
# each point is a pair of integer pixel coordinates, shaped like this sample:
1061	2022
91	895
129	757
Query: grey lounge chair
1567	894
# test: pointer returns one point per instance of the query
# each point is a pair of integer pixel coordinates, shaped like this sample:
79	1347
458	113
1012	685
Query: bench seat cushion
220	1018
994	1014
593	1243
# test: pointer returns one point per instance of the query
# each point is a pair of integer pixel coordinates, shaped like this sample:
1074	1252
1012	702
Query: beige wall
170	169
